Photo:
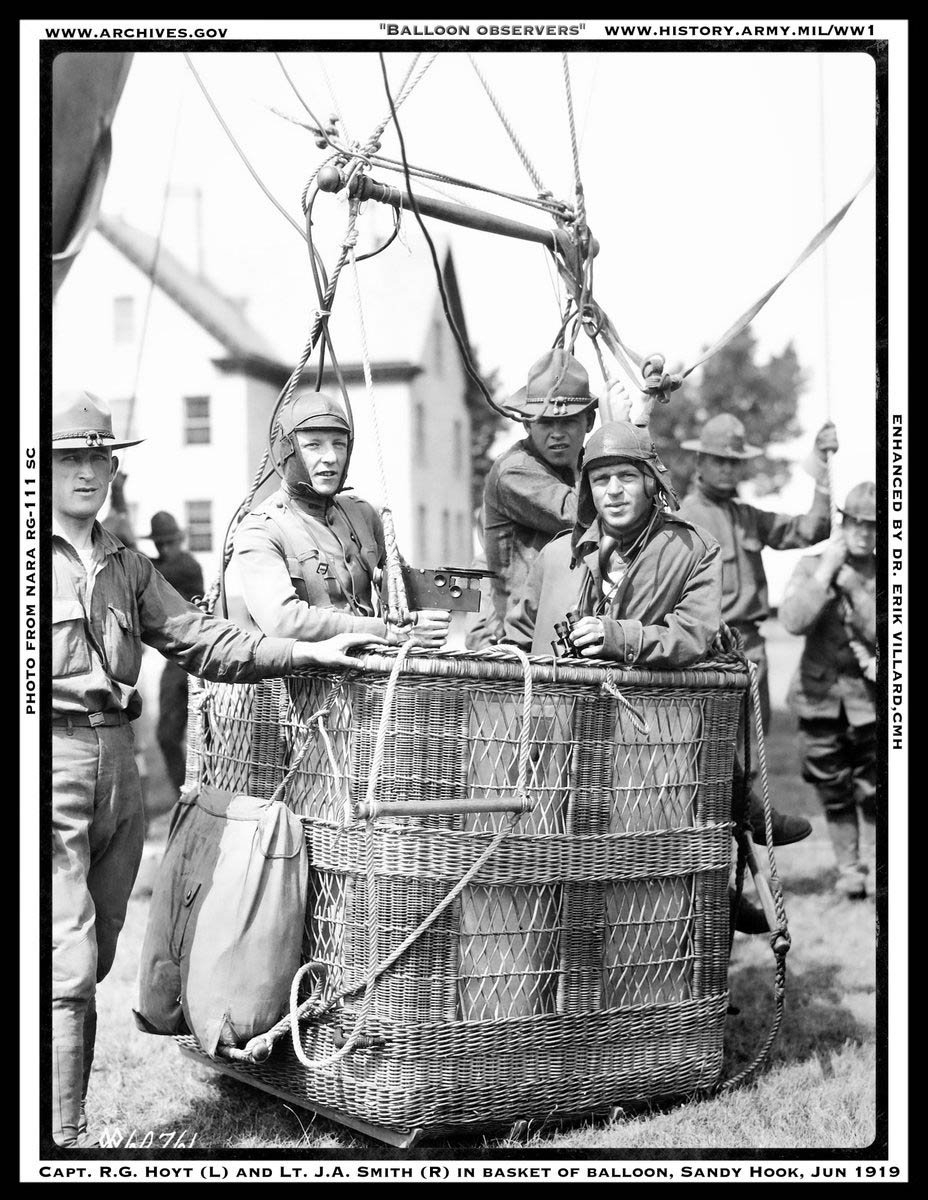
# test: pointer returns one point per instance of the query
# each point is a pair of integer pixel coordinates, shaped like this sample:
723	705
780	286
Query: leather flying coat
664	613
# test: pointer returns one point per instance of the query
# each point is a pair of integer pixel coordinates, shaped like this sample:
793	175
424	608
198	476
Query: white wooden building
208	380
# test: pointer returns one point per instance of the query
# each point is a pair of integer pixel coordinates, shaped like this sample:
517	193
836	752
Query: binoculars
562	646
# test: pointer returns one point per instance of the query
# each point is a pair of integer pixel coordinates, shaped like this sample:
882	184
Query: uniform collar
308	502
567	474
101	539
587	547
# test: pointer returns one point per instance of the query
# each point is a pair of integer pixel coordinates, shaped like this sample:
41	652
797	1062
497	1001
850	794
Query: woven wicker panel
584	963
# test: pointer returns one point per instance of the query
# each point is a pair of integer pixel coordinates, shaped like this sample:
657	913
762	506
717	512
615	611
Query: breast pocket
70	652
122	644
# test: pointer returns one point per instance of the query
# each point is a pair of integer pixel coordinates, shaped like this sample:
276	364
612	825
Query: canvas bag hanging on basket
225	926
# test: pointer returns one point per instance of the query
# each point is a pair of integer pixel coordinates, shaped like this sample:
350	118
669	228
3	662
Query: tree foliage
764	396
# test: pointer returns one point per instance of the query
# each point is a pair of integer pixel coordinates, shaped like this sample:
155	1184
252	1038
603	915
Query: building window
199	524
422	537
418	431
123	320
196	420
458	448
445	538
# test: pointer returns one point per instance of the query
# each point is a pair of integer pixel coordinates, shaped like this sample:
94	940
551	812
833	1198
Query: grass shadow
816	1019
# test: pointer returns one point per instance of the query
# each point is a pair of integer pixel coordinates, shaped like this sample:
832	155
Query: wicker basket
584	963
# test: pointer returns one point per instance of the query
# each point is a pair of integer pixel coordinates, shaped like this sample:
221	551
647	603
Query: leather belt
86	720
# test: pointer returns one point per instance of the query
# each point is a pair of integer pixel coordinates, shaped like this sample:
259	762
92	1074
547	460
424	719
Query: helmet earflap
650	485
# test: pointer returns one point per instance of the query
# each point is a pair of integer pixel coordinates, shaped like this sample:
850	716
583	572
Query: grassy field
816	1092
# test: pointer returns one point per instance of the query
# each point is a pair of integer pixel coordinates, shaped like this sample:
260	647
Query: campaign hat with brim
723	436
163	528
558	386
81	421
860	503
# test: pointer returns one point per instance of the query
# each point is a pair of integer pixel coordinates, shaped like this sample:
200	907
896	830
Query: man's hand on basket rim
331	652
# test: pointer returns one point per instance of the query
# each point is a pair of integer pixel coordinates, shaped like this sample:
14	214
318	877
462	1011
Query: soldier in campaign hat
743	531
531	489
106	601
183	573
309	556
831	599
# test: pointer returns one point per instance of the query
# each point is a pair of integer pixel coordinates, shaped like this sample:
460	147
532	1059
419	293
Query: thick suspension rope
574	148
507	125
397	601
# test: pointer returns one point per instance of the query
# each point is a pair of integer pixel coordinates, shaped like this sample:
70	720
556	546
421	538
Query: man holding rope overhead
308	557
531	490
831	598
742	531
107	601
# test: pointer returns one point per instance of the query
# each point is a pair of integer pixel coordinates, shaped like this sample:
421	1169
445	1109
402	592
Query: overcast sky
705	175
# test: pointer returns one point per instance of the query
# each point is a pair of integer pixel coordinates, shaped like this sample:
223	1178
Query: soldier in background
743	531
831	599
531	489
183	573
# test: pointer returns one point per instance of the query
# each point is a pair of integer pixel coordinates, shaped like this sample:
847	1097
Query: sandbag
226	921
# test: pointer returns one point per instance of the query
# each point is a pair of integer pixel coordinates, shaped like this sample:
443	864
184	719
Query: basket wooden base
402	1139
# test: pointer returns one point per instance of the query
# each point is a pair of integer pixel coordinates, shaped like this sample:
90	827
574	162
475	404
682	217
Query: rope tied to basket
637	720
780	938
318	1004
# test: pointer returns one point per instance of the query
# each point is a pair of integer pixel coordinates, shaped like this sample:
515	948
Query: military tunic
307	565
743	531
526	502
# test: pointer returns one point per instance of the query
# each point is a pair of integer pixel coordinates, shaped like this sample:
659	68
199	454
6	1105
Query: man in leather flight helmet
645	583
309	556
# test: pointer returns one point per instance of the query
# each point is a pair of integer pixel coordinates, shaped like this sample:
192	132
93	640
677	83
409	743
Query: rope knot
662	386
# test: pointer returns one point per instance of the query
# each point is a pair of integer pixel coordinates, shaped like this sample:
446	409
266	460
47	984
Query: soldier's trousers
97	830
839	760
172	721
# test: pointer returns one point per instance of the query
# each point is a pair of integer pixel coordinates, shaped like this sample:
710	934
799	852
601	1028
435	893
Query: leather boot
90	1038
67	1070
786	829
845	841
